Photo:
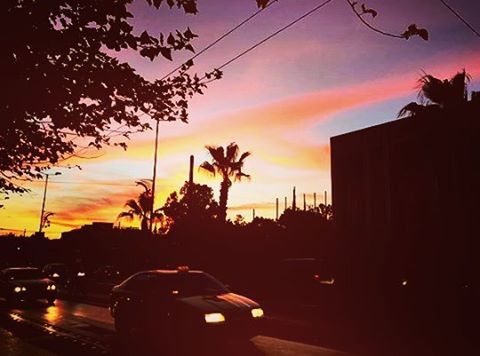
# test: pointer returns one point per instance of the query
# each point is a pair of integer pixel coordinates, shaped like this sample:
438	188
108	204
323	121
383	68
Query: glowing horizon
281	102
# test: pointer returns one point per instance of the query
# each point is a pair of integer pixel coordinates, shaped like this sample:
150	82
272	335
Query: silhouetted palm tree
141	208
437	95
224	162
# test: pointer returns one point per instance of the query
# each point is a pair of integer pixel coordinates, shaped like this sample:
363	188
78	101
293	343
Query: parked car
57	272
78	281
26	283
182	302
107	274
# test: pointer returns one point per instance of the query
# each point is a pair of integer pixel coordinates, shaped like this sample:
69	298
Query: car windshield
22	274
178	284
191	284
56	269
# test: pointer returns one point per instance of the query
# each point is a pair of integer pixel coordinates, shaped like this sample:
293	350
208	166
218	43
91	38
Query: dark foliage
447	97
64	83
194	203
142	207
66	90
228	164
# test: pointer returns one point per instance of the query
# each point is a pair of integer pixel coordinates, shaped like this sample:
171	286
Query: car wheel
11	301
122	327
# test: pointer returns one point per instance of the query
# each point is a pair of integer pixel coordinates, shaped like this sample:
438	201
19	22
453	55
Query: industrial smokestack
190	177
294	201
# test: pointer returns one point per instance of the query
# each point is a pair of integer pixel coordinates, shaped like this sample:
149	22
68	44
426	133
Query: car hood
219	303
32	282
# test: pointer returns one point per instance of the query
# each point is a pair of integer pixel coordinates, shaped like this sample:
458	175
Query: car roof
55	264
20	269
171	271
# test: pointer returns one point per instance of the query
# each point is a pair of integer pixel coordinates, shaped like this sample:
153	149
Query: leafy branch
363	10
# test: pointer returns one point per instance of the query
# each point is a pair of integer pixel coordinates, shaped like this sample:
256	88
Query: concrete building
406	200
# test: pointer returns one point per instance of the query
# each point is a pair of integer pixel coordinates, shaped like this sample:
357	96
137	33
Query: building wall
406	199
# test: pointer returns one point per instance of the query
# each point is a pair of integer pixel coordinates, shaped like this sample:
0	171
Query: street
74	328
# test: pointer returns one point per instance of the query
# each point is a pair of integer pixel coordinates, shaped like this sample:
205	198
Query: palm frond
432	89
207	166
239	175
145	183
411	109
459	84
145	202
243	156
133	205
231	152
126	214
217	153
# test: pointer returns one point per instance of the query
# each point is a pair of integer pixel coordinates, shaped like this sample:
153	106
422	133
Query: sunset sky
325	76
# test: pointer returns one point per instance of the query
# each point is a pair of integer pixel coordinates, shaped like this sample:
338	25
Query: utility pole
253	214
304	202
314	200
285	206
154	175
325	198
40	227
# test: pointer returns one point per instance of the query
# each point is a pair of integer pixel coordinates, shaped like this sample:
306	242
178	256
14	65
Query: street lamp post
154	176
40	227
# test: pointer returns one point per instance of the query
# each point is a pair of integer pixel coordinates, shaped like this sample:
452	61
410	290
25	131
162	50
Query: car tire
121	326
11	301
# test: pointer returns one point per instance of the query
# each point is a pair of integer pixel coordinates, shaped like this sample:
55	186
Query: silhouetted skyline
326	76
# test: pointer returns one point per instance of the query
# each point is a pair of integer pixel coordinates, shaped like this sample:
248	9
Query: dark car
78	280
26	283
107	274
57	272
181	302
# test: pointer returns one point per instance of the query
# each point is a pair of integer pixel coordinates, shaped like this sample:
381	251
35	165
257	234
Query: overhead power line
460	17
220	38
298	19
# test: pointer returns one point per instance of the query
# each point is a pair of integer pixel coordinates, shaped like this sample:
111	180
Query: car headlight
24	289
81	274
17	289
257	312
214	318
51	287
55	275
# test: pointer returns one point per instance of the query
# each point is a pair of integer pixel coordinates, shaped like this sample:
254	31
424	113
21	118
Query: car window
192	284
176	284
23	274
139	282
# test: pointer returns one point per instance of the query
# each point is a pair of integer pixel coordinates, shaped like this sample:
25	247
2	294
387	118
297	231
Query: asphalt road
76	328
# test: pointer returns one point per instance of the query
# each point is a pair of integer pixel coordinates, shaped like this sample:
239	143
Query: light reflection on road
70	315
52	314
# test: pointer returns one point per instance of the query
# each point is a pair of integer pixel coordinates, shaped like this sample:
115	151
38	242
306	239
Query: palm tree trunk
145	224
224	186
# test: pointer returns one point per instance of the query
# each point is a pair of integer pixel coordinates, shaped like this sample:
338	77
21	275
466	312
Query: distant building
406	199
102	230
94	229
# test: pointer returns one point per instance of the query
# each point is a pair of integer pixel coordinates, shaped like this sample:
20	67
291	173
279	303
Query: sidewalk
13	346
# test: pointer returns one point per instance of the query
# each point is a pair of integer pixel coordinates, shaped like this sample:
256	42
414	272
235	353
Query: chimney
190	177
294	201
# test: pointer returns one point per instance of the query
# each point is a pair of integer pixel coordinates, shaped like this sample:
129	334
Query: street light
40	228
154	176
